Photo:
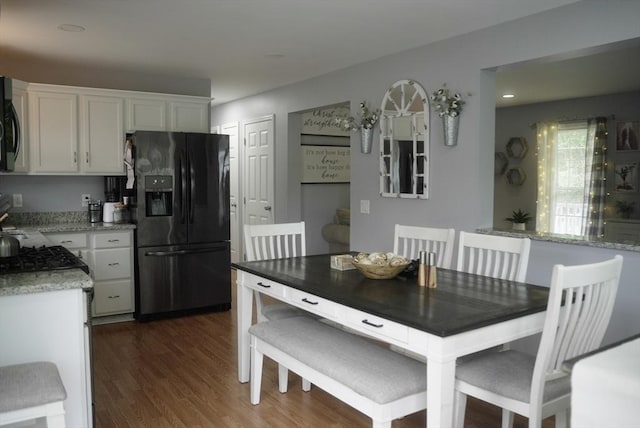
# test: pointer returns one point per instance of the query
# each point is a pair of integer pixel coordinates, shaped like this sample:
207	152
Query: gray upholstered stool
30	391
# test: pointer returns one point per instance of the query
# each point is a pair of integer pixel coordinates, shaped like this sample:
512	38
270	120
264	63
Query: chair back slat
408	241
495	256
580	305
274	241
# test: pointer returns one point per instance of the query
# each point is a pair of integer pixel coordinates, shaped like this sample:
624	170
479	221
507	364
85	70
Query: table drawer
112	264
68	240
111	240
312	303
377	326
267	287
112	297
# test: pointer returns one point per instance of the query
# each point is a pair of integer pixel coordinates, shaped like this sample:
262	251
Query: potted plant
519	219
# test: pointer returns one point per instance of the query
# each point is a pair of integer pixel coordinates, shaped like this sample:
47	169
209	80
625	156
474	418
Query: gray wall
51	193
461	177
516	121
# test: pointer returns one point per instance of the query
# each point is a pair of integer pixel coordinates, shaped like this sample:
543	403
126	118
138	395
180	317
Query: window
568	205
565	177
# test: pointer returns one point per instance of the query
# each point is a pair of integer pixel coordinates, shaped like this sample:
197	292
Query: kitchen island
44	317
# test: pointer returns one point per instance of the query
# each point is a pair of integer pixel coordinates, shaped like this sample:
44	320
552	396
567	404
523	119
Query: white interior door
231	129
258	171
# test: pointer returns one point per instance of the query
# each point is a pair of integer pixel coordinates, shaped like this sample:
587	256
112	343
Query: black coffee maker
113	188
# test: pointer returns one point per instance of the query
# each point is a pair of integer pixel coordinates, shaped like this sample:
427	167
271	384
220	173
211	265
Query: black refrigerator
181	211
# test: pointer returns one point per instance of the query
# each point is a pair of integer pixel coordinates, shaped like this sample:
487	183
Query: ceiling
606	70
242	47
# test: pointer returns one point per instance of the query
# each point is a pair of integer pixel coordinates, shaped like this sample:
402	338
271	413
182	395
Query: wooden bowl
379	271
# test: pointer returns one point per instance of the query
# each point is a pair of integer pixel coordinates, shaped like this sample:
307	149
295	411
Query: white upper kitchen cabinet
146	114
101	134
20	103
53	132
189	116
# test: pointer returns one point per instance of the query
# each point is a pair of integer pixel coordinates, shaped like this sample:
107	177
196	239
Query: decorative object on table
342	262
517	147
380	265
625	180
519	219
625	208
363	122
500	163
449	107
516	176
627	136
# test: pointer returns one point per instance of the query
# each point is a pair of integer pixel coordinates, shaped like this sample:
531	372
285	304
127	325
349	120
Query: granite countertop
562	239
40	282
76	227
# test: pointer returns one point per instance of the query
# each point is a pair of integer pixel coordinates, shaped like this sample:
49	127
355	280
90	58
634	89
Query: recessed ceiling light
508	96
71	28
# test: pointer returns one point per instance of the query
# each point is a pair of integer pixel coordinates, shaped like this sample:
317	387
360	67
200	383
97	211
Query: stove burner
32	259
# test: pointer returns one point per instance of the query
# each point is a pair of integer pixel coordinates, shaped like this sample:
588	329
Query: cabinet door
146	115
53	119
20	104
189	116
102	134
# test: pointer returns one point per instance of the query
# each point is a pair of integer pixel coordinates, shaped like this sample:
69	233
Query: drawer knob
309	301
66	242
114	264
114	297
367	322
113	240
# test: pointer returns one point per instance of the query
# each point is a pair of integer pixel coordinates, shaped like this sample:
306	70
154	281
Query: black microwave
9	127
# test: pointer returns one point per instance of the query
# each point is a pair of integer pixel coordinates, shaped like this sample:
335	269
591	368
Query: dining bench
374	380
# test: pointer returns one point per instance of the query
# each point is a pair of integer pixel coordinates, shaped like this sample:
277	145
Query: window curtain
595	185
547	134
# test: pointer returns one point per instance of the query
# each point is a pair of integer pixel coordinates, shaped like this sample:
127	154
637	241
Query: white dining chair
274	241
495	256
580	304
408	241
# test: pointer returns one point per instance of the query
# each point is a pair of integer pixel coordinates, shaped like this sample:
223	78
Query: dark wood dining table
466	313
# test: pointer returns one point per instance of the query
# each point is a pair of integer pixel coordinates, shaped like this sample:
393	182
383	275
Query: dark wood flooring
182	373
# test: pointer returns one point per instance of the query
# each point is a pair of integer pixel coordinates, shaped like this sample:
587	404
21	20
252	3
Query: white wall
51	193
461	177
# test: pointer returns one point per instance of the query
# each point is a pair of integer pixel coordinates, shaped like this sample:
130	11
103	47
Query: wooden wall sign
322	121
326	164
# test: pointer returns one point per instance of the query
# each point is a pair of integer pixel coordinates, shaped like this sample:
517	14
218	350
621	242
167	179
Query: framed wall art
326	164
626	178
627	134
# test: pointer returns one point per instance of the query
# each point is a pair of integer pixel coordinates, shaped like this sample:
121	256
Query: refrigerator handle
182	185
185	252
192	191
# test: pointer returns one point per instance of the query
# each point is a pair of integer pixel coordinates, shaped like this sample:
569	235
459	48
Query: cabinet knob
87	156
114	264
114	297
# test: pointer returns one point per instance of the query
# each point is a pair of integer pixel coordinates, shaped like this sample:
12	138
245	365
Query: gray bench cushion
30	384
370	370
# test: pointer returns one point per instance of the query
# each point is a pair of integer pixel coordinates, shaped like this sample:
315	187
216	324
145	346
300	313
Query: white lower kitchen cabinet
109	255
50	326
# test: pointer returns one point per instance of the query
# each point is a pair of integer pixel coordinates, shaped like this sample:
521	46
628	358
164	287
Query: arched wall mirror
404	141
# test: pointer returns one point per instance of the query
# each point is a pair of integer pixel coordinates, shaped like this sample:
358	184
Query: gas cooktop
37	259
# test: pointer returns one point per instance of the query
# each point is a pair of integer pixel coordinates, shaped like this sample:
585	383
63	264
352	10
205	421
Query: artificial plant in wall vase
363	122
449	107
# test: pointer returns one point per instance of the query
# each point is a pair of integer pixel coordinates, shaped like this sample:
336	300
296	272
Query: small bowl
379	271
